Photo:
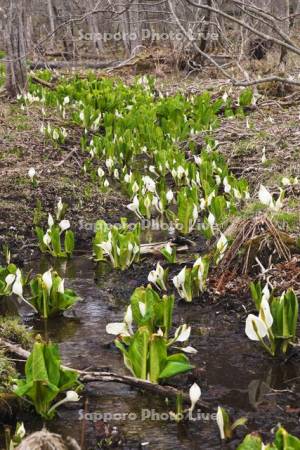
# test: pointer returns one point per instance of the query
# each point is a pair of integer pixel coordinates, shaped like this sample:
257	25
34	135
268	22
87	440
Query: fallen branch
155	247
72	64
68	156
89	377
44	83
162	390
267	80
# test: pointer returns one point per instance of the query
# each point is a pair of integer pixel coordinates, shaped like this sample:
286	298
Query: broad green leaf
138	352
69	242
175	365
158	357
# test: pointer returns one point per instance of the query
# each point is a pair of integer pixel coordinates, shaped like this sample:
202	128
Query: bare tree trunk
94	28
130	25
15	38
51	20
51	16
281	9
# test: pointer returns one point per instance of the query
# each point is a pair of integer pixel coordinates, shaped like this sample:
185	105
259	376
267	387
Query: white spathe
169	196
47	279
195	394
9	279
116	328
142	308
265	313
264	196
61	287
31	173
168	249
64	225
182	333
256	328
72	396
50	221
128	319
220	422
17	288
46	239
189	349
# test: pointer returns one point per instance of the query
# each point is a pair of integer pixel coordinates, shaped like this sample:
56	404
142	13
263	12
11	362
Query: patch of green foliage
252	209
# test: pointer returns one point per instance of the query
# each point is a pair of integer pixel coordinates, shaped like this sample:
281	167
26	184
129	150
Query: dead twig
68	156
253	236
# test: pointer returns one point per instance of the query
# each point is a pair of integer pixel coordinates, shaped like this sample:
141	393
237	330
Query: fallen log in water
104	377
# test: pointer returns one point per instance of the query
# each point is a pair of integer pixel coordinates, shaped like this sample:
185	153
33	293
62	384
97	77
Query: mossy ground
13	330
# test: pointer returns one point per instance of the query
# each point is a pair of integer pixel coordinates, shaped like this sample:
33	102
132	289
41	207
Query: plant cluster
58	240
276	323
119	243
143	337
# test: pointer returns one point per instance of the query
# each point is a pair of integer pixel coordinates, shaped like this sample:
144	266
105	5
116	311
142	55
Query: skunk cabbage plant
143	337
45	379
58	240
121	245
276	323
191	282
49	296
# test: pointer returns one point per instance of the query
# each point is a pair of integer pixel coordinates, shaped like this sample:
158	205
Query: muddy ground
273	126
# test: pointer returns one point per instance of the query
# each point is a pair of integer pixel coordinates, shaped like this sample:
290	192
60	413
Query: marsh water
231	371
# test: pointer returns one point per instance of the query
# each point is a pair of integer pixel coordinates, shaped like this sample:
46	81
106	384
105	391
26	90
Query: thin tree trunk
51	16
15	40
94	28
281	9
51	20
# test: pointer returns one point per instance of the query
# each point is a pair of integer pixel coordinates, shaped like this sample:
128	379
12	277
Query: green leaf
256	294
138	352
69	242
251	442
285	441
175	365
168	312
55	241
40	234
158	357
239	422
52	360
45	378
246	97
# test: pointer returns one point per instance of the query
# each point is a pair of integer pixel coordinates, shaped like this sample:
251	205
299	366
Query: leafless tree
237	29
14	17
